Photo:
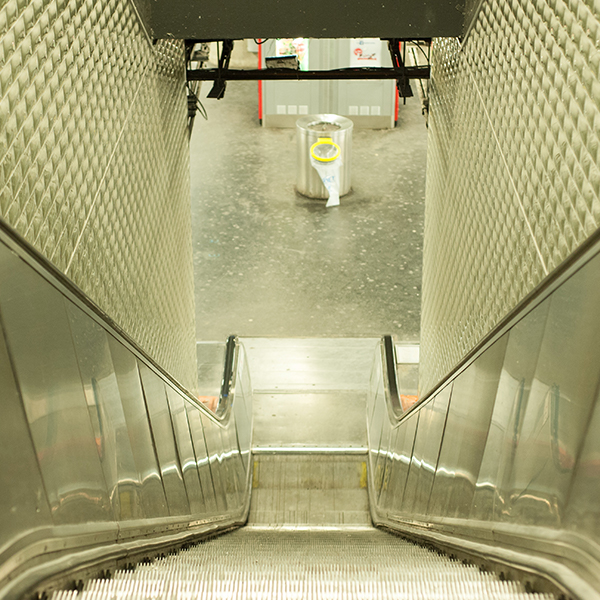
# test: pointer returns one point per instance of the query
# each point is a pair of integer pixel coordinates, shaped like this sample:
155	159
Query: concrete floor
269	262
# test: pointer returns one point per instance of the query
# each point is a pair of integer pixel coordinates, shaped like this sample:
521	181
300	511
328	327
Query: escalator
309	535
358	563
118	483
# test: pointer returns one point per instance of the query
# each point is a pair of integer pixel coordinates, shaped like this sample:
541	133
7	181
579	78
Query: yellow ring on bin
329	142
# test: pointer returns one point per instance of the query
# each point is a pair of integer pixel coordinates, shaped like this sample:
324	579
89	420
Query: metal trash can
309	129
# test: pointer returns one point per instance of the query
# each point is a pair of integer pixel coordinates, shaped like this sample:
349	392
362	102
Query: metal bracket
400	72
290	74
398	55
218	89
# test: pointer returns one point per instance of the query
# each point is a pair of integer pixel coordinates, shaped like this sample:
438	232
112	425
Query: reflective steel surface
163	439
106	414
465	435
308	131
39	339
23	501
506	455
426	453
560	403
517	373
154	502
205	474
93	437
178	419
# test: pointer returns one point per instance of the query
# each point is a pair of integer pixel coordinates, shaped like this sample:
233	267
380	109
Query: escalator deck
306	562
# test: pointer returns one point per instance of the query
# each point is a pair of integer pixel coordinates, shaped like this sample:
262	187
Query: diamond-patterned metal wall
94	162
513	180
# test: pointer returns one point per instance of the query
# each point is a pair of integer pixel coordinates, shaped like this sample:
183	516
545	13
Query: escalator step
314	564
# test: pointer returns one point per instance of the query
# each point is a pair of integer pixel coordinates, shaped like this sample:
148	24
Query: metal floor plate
309	489
310	393
310	364
309	421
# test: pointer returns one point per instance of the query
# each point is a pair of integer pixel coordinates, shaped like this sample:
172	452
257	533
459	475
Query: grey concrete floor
269	262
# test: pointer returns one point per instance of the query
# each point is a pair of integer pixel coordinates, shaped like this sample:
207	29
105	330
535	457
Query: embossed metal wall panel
513	179
94	162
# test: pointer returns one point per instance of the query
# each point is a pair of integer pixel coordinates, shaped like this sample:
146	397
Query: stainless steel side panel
202	460
23	503
153	495
235	457
389	470
414	469
403	451
218	471
186	452
382	458
229	455
164	441
100	453
518	475
582	511
465	435
375	426
490	501
582	514
432	421
560	403
375	382
38	334
106	414
242	409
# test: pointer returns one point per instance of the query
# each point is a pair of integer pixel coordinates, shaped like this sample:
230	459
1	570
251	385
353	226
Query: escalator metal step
352	563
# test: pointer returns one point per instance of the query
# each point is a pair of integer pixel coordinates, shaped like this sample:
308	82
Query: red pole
396	108
260	93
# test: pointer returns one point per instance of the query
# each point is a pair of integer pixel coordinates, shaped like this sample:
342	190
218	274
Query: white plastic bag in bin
325	157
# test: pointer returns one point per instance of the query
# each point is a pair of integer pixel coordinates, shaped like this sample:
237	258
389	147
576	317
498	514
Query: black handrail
228	381
391	375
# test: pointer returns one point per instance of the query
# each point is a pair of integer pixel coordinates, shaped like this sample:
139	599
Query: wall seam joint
104	175
512	182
